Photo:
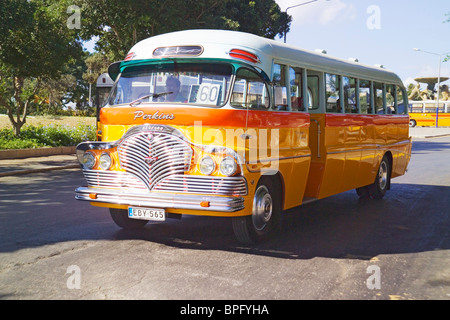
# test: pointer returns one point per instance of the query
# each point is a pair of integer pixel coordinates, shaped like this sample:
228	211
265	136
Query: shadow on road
421	146
411	218
338	227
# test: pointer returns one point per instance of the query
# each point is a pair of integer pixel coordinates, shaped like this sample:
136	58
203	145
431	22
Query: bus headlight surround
105	161
228	166
88	160
207	165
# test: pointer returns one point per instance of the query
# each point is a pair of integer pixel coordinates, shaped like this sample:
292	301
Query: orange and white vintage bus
423	113
229	124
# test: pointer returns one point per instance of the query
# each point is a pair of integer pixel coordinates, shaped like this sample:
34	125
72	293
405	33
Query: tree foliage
35	45
119	24
42	62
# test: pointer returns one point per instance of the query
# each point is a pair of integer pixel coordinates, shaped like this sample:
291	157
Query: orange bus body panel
351	148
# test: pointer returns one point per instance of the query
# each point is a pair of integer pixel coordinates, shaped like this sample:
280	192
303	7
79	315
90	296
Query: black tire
412	123
363	192
378	189
266	218
120	217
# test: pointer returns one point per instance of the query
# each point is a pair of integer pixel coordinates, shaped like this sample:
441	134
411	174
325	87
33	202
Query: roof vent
244	55
353	59
379	66
322	51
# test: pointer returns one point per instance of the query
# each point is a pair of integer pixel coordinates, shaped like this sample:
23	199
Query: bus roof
219	43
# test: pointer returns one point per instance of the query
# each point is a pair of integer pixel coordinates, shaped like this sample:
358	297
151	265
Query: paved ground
10	167
54	247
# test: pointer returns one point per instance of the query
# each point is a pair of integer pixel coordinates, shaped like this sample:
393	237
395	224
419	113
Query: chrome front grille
113	179
224	186
155	159
152	156
230	186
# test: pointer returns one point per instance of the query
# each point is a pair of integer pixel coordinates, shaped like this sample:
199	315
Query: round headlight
228	166
88	160
207	165
105	161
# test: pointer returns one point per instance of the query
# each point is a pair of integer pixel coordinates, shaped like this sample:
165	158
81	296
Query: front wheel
120	217
266	218
412	123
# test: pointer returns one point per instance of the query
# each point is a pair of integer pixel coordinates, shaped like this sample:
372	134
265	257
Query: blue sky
376	32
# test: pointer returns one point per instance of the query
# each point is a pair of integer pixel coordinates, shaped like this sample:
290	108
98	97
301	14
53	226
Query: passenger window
295	82
250	91
280	87
313	92
401	106
350	95
391	103
332	83
379	98
365	97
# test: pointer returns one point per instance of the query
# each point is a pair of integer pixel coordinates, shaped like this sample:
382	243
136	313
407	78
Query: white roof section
218	43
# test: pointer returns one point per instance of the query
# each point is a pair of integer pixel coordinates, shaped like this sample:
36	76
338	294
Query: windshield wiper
154	95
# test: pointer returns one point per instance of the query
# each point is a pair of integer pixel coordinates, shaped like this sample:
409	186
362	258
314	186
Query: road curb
37	152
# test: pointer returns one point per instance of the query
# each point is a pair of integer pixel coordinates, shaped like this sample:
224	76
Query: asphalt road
54	247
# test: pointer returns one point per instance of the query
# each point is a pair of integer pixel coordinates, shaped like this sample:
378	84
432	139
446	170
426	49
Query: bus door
314	85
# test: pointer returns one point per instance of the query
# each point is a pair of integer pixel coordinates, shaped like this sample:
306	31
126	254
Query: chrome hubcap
262	208
382	175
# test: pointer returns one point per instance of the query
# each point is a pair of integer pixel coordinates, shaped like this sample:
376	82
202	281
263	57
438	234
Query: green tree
262	18
119	24
96	64
35	45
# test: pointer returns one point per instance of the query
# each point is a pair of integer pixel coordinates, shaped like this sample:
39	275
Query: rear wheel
266	218
378	189
120	217
363	192
412	123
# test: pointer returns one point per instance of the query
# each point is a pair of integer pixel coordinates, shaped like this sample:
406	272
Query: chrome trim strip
373	147
160	200
278	159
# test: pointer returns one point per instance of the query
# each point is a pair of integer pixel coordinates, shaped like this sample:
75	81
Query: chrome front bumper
161	200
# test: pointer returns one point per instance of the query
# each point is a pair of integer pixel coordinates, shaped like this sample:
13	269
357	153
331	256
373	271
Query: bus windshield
170	82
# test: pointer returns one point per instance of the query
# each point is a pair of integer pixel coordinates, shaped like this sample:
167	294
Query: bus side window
313	92
295	82
280	87
350	95
332	85
379	100
391	103
365	96
250	91
401	106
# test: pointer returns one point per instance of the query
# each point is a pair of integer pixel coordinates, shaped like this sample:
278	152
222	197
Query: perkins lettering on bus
154	116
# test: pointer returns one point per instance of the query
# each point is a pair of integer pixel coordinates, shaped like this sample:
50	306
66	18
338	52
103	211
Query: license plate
153	214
